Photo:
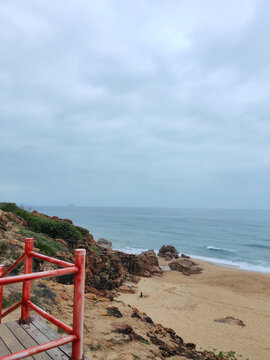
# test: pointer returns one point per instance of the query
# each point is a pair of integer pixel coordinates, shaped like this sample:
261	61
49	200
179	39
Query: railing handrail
38	275
76	332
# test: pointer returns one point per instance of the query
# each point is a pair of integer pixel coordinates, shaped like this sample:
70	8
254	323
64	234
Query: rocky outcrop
107	269
11	239
105	243
186	266
231	320
185	256
149	264
168	252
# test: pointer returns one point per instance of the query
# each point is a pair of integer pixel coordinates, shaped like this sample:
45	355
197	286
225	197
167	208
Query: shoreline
220	263
191	304
241	266
235	266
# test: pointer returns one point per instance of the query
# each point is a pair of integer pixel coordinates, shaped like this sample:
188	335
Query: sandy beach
191	304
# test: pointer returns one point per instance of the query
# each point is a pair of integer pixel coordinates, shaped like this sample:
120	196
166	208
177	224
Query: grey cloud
143	103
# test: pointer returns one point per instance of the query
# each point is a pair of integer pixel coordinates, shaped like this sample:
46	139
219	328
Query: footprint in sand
171	290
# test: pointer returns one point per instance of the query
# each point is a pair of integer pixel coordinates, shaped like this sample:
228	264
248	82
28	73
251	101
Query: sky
135	103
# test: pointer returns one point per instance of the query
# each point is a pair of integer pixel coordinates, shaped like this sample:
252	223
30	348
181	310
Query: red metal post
78	305
26	293
2	270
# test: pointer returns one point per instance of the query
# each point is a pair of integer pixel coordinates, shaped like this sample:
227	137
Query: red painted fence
76	332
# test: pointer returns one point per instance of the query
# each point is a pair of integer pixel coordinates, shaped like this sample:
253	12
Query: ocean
235	238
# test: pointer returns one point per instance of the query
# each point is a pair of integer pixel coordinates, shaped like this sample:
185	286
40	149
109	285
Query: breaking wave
259	246
212	248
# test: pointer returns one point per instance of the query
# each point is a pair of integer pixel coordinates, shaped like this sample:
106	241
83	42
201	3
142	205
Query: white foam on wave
219	249
225	263
235	265
134	251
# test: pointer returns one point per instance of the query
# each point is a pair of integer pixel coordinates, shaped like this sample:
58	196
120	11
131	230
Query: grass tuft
43	242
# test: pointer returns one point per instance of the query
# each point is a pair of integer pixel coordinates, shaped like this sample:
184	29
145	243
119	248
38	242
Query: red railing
76	332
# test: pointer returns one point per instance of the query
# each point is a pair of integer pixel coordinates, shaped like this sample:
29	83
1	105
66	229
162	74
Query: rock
168	252
61	241
146	273
231	320
114	311
186	266
140	338
185	256
122	327
105	243
136	314
133	278
148	320
155	340
68	221
149	262
90	296
117	339
108	269
127	289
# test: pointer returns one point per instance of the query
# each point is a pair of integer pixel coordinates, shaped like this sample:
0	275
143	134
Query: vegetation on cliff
52	228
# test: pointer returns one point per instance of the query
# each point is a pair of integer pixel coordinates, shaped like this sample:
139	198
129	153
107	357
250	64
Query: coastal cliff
105	269
113	330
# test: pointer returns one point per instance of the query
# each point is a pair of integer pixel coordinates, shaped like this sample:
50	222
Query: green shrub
230	355
11	299
94	348
52	228
5	303
83	231
46	245
93	249
35	300
38	292
8	207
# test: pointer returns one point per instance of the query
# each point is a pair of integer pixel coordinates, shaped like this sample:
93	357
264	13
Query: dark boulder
186	266
168	252
104	243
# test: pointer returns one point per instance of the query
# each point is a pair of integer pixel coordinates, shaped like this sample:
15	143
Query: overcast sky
135	103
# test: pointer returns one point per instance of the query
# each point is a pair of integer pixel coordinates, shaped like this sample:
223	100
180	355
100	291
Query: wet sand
190	304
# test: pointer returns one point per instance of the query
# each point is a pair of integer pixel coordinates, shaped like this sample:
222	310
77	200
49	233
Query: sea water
238	238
